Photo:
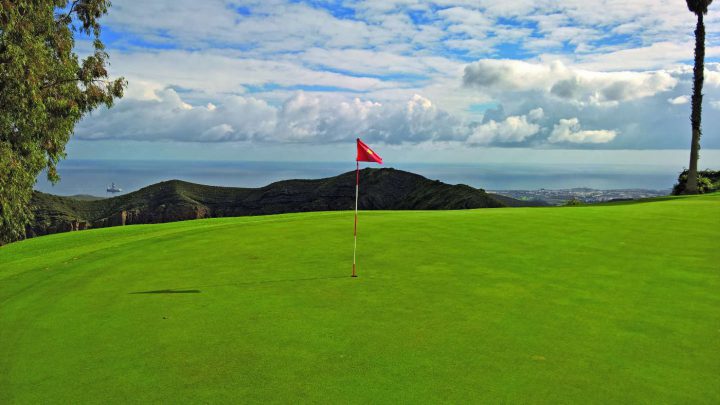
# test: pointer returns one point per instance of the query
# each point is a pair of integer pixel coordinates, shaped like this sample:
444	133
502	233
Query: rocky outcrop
382	189
56	227
163	213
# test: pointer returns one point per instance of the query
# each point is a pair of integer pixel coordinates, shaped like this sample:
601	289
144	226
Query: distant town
586	195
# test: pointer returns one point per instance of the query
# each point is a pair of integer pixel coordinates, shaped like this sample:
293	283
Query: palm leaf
698	6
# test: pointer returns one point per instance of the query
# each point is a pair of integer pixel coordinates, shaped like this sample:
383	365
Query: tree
708	181
699	7
45	89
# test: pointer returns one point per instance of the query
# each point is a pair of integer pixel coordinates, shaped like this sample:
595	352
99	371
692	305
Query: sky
424	80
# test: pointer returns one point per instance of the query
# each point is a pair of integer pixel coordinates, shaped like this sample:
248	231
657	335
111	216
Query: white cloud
362	66
467	21
218	132
286	26
568	130
272	25
679	100
227	72
168	117
536	114
655	56
580	86
303	117
712	74
380	62
511	129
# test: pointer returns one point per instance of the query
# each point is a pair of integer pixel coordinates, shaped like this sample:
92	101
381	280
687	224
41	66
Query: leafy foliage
45	89
708	181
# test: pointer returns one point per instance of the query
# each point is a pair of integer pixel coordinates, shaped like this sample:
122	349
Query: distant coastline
92	177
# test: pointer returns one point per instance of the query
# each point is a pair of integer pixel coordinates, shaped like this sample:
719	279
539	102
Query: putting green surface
596	304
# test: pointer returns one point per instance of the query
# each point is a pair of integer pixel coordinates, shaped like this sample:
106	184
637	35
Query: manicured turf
606	304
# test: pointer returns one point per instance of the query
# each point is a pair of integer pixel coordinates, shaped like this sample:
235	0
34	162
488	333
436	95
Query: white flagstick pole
357	189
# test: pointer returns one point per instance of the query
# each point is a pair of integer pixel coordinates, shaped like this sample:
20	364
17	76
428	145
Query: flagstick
357	188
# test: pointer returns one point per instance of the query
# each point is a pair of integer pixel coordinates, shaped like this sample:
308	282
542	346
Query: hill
382	189
86	197
589	304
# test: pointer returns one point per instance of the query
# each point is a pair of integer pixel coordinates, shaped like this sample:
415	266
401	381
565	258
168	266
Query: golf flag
364	154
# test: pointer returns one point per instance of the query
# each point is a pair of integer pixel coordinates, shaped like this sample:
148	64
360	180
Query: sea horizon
92	177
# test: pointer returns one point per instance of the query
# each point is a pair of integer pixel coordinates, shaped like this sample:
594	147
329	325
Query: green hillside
175	200
590	304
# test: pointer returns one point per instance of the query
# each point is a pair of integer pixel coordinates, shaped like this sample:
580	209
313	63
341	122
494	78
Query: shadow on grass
191	291
167	292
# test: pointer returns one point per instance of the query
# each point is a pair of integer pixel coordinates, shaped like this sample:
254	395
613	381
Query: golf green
593	304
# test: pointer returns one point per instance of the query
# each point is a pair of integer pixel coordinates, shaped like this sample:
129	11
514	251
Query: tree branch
72	8
59	82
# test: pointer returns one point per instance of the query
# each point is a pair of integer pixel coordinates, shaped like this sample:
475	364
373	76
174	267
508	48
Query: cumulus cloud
511	129
236	68
327	119
167	117
301	118
304	118
568	130
712	74
151	112
536	114
565	83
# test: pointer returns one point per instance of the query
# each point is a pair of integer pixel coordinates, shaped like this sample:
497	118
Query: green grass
591	304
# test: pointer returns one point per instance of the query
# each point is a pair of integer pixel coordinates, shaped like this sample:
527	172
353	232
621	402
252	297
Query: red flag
365	154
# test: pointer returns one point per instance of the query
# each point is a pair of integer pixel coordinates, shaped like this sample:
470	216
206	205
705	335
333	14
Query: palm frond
698	6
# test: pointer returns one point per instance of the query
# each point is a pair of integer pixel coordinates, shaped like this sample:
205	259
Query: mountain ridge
177	200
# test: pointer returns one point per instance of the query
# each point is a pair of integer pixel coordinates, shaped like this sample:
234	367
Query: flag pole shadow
196	290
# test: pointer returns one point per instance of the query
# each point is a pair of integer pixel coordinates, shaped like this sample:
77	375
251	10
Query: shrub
708	182
573	202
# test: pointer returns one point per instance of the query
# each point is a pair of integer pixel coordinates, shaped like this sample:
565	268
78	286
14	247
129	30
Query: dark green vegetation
708	181
45	89
382	189
699	8
85	197
573	202
589	304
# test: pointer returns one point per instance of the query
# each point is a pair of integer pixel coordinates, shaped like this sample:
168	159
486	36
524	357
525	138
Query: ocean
94	176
